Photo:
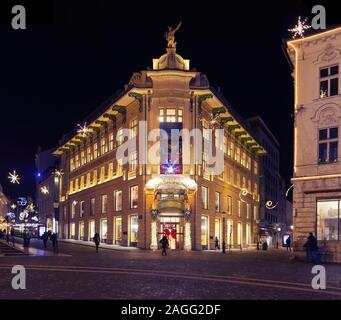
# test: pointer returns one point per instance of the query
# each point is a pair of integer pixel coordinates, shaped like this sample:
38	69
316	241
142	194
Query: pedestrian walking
216	244
54	242
288	243
164	245
97	241
312	249
44	237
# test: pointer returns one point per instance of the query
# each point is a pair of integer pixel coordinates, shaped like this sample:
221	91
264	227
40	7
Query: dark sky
53	74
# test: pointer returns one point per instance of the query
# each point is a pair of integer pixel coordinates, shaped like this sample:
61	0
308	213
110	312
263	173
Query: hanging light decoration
13	177
300	28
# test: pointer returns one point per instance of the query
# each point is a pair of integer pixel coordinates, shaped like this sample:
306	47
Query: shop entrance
172	228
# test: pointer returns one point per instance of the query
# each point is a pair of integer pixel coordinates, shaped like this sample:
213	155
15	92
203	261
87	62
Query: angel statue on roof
170	36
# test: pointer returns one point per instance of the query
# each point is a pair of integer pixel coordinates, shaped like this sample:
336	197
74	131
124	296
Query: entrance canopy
172	181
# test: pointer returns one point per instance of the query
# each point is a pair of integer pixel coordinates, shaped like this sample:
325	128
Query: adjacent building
47	189
272	205
316	63
136	203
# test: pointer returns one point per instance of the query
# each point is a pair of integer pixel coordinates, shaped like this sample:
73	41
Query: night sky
67	63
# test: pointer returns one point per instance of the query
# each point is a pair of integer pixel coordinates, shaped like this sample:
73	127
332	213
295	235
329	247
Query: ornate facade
317	168
136	203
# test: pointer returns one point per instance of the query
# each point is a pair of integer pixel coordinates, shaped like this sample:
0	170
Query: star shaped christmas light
58	173
13	177
44	190
300	28
31	207
13	206
83	130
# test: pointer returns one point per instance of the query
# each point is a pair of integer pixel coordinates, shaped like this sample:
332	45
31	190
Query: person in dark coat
216	244
311	247
164	245
54	242
45	237
97	240
288	243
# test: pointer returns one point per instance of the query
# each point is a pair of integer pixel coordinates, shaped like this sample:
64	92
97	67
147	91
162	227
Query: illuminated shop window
204	231
204	197
104	203
118	200
328	220
239	233
81	231
118	229
329	81
134	228
104	230
229	230
328	145
217	229
134	196
72	230
248	234
91	230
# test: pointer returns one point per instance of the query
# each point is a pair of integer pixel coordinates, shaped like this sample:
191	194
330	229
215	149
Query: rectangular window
118	200
229	231
170	115
134	196
119	136
104	203
229	205
133	161
81	230
239	208
133	128
204	231
73	209
248	211
239	233
255	213
81	209
92	206
103	146
134	229
329	81
118	230
217	201
88	154
104	230
95	150
111	141
204	197
328	220
328	145
91	230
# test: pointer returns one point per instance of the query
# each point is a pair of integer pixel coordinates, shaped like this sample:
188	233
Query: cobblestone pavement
142	274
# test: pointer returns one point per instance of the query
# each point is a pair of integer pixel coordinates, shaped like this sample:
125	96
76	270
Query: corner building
135	204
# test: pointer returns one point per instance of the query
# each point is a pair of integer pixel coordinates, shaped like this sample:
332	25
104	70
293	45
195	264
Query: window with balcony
329	81
328	145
